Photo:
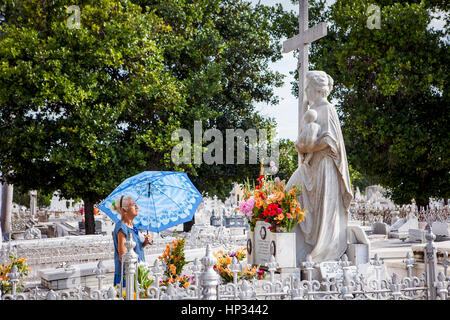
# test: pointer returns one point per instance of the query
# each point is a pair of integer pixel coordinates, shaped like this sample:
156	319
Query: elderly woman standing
128	210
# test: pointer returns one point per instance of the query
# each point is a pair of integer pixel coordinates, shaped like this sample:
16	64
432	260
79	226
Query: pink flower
246	207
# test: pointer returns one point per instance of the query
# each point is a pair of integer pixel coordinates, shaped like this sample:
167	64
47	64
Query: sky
285	113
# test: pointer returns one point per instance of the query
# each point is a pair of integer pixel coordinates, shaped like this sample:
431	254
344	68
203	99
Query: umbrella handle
152	239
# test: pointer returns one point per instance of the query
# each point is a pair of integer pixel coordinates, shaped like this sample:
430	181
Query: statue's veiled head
318	85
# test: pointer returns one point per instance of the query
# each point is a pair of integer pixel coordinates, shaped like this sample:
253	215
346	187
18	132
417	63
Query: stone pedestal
441	228
416	235
281	245
358	253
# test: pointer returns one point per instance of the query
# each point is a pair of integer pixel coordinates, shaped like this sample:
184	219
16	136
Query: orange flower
278	196
259	203
173	269
186	284
302	215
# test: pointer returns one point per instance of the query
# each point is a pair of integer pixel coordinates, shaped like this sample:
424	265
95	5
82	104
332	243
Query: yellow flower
186	284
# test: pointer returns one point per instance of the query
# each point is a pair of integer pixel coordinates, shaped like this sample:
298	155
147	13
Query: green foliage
82	109
359	180
143	277
391	93
288	159
23	197
220	51
6	269
76	104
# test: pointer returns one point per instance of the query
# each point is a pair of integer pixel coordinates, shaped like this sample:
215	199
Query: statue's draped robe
326	194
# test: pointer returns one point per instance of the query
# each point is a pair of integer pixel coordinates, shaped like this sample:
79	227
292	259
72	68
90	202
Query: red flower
272	210
258	186
261	177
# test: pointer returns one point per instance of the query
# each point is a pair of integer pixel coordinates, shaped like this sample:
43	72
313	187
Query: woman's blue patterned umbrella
165	199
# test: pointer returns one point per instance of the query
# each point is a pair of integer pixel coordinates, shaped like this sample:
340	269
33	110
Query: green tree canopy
391	92
220	50
76	104
84	108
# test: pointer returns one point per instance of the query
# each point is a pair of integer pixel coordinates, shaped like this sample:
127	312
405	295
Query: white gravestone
262	243
280	245
33	202
416	235
332	270
372	272
380	228
411	223
440	228
358	249
398	224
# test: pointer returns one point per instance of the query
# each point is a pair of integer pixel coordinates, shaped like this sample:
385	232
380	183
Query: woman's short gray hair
120	203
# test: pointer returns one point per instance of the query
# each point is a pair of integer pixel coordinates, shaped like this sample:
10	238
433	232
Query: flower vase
283	248
281	245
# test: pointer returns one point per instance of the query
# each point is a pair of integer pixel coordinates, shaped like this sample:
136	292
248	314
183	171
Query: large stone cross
301	41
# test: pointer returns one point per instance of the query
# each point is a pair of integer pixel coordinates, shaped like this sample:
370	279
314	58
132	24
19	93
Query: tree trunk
422	200
187	226
89	222
422	203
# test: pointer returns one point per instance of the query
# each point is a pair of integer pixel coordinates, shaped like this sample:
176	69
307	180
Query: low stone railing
71	250
207	284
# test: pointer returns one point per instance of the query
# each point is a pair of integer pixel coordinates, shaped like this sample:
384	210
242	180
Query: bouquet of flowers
174	259
224	260
22	269
183	281
269	201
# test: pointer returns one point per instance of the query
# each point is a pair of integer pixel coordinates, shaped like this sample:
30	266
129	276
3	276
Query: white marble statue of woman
325	182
